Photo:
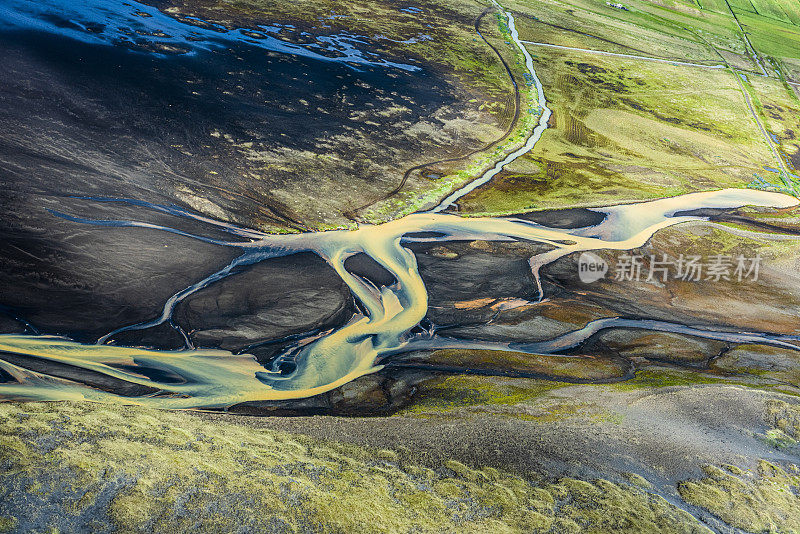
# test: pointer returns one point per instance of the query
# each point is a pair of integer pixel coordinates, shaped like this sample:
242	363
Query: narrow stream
536	134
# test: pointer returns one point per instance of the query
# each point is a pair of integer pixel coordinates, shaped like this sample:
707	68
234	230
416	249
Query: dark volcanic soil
234	132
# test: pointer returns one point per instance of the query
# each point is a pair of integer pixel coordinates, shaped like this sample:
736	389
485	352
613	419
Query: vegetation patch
459	391
784	417
90	468
763	500
556	366
628	130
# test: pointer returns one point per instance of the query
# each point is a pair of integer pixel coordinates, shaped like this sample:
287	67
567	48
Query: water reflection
146	29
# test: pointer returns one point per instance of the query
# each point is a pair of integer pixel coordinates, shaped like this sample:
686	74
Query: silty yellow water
205	378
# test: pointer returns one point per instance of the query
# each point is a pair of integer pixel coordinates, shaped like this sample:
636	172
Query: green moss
778	439
459	391
7	524
637	480
518	398
176	472
602	506
761	501
555	366
733	469
657	378
722	241
784	417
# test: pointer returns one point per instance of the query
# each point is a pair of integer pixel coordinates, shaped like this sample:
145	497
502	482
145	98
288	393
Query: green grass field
780	111
626	129
673	28
629	129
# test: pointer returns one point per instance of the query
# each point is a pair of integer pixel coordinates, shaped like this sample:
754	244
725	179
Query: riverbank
531	118
387	317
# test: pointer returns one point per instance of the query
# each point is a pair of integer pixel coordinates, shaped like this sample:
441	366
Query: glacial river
384	327
216	378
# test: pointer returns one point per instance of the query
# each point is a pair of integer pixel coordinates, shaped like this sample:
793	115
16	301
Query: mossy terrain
762	500
767	362
522	399
780	113
532	399
784	418
90	468
556	366
725	237
629	130
450	393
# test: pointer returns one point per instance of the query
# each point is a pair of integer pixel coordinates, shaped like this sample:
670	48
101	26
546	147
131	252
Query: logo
591	267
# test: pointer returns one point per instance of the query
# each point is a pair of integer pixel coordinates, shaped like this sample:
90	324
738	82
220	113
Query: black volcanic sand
563	218
83	281
81	119
465	272
271	300
104	121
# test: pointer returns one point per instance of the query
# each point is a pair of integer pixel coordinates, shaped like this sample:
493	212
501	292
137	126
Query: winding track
628	56
532	139
353	213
